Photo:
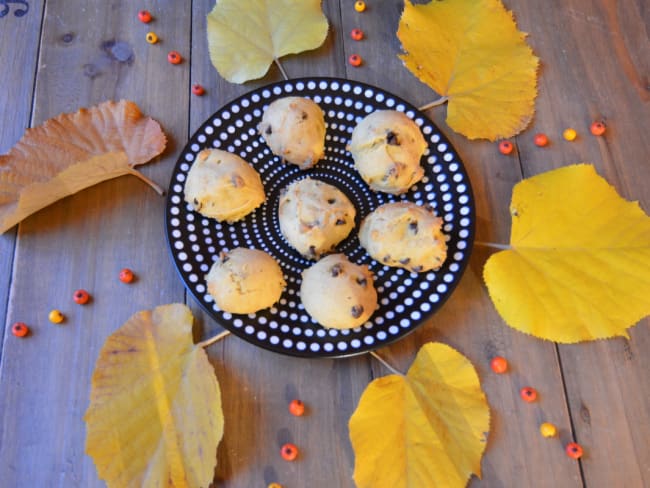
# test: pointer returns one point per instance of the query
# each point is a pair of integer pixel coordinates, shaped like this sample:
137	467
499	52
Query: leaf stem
491	244
435	103
284	73
149	182
383	361
212	340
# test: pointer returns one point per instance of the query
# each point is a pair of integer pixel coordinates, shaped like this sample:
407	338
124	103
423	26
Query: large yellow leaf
579	266
155	414
246	36
471	52
428	428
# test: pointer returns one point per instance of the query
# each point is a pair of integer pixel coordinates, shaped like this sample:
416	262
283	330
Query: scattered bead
152	38
574	450
597	128
354	60
528	394
548	430
359	6
81	297
499	364
144	16
540	140
297	408
174	57
356	34
506	147
289	452
274	485
126	275
19	329
198	90
569	134
56	317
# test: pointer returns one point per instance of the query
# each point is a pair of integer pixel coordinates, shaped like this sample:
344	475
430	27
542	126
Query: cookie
245	281
338	294
314	216
294	129
404	235
223	186
386	147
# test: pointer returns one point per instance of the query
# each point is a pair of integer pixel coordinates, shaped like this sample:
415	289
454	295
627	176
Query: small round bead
297	408
499	364
289	452
274	485
574	450
359	6
126	275
597	128
56	317
528	394
144	16
19	329
152	38
548	430
356	34
540	140
81	297
174	57
198	90
354	60
569	134
506	147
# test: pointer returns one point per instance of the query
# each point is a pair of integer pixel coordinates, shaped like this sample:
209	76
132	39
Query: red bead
19	329
198	90
540	140
81	297
598	128
574	450
289	452
354	60
528	394
174	57
356	34
506	147
499	365
144	16
126	275
297	408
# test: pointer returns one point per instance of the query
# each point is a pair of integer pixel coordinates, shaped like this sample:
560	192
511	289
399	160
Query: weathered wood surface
595	63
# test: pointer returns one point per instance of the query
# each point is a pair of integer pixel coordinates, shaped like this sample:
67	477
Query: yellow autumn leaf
246	36
155	414
579	264
472	54
427	428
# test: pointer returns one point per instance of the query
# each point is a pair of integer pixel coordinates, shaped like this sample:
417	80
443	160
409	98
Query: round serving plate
406	299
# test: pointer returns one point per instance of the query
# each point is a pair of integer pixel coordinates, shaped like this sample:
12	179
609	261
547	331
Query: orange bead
540	140
289	452
56	317
355	60
528	394
598	128
499	365
198	90
174	57
356	34
506	147
19	329
144	16
81	297
126	275
297	408
274	485
574	450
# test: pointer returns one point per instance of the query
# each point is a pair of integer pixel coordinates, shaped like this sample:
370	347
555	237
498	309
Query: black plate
406	299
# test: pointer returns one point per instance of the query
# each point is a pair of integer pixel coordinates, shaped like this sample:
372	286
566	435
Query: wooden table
595	64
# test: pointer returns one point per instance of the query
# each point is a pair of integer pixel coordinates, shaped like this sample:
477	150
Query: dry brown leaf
74	151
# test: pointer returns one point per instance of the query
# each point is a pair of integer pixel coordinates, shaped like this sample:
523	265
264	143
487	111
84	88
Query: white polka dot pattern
406	300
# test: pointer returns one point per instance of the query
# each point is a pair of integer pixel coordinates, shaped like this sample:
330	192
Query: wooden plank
16	103
89	53
594	58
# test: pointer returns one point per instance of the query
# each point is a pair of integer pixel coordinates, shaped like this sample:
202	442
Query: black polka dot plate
406	299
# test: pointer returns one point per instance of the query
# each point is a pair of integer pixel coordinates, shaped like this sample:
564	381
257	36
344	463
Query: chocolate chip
417	269
340	222
429	208
303	116
392	171
386	258
223	256
413	226
356	311
331	201
237	181
362	281
405	261
391	139
336	270
312	251
268	131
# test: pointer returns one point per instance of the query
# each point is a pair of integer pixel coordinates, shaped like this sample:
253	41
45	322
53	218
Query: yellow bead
359	6
570	134
548	430
274	485
152	38
55	316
